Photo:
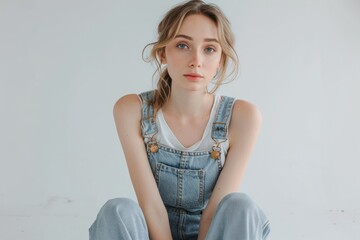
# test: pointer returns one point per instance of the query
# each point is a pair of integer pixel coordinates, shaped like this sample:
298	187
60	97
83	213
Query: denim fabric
119	218
185	181
237	217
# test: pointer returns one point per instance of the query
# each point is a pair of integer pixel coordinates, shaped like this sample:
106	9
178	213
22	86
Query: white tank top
166	137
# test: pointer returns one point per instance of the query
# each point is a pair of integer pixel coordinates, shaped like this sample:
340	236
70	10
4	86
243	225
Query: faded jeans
237	217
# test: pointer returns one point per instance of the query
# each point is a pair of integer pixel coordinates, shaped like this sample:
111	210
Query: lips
193	75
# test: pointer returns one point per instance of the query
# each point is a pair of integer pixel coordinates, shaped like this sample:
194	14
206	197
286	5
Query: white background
63	64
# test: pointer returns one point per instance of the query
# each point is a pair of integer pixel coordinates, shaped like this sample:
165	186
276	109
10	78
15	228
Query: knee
119	207
239	212
238	202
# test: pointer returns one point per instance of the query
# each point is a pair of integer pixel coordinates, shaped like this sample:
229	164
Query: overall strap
148	121
220	129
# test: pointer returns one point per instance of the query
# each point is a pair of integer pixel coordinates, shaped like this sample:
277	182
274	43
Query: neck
189	104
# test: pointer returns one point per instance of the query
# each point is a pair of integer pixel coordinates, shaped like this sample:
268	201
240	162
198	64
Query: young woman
186	148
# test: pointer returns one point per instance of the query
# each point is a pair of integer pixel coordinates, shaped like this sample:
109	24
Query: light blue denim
185	181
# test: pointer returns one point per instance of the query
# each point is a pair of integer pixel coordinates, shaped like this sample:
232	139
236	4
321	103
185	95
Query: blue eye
209	50
181	46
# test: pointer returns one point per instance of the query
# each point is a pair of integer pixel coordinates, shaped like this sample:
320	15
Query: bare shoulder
246	111
246	119
127	106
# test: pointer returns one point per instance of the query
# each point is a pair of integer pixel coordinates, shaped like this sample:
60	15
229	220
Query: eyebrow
190	38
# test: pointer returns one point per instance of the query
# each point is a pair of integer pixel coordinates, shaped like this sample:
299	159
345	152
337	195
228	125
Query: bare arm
127	116
243	131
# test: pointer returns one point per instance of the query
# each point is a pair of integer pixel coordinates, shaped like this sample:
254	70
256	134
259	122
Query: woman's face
194	55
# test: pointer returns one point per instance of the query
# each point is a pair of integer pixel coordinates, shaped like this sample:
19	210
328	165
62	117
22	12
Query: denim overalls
185	179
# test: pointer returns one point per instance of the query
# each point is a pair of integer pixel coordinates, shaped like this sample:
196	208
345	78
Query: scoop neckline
197	144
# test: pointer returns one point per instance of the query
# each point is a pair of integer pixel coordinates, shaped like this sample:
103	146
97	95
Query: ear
162	56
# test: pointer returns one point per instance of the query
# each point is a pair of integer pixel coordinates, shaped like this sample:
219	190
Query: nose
196	58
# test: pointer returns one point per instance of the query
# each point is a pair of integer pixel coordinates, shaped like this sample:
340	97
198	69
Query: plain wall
63	64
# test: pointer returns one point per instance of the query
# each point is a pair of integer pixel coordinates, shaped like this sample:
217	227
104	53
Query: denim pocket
181	187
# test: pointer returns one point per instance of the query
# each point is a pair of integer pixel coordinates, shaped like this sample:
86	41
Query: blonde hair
168	29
